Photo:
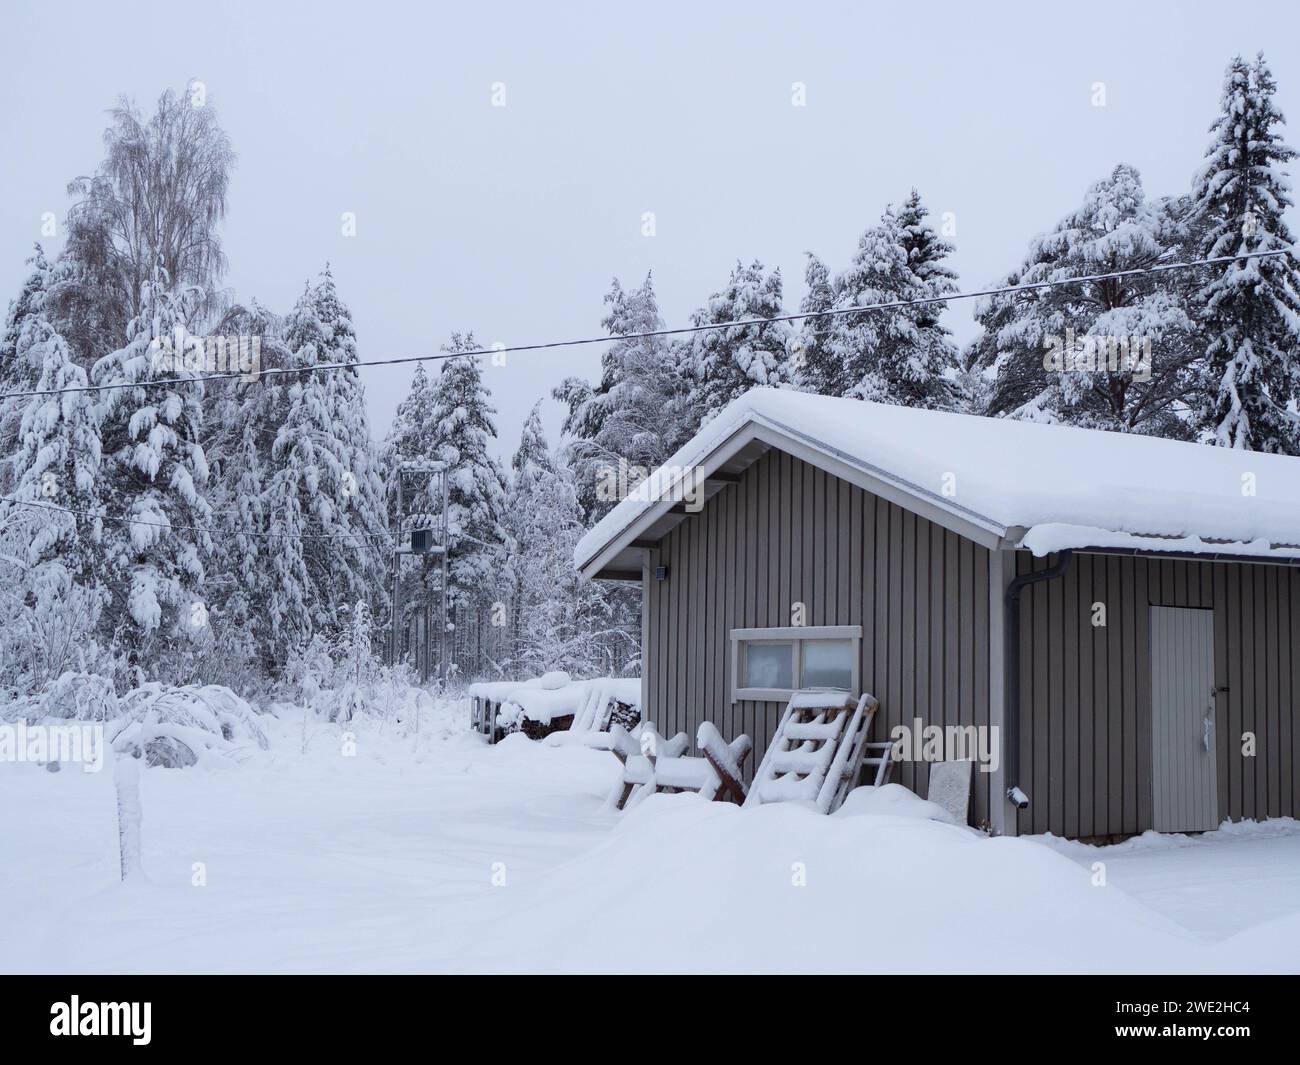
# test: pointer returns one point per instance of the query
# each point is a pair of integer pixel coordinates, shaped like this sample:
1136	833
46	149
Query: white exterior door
1184	780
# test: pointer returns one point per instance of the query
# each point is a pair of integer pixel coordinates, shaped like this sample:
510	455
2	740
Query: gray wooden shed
1117	615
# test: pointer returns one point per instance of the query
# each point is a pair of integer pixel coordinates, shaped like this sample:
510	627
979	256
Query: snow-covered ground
1216	884
437	853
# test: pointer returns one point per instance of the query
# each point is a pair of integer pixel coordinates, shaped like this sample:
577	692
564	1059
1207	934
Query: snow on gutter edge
1051	537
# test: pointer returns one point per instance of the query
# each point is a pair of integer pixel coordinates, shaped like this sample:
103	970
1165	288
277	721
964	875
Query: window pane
827	664
769	665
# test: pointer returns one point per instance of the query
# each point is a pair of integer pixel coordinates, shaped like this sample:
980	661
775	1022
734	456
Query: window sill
776	695
761	695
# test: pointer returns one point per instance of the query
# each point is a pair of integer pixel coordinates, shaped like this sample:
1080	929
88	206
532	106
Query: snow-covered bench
652	763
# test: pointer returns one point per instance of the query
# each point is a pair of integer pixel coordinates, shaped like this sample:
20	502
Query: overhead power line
326	367
91	515
322	367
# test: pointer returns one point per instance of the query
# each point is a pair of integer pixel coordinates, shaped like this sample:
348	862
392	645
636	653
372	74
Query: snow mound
783	889
892	800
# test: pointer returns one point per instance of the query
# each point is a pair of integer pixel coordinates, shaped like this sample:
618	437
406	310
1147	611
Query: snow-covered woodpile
554	702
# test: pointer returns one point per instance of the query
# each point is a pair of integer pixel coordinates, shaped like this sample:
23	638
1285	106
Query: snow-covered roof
1000	482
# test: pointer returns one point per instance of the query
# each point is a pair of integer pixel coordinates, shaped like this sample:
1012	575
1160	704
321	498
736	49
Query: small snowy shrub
72	696
342	679
222	652
177	727
47	629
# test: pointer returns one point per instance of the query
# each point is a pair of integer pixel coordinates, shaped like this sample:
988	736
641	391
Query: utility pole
430	538
445	540
396	642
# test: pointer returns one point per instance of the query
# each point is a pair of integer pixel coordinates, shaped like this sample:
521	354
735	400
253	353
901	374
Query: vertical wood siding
787	534
1086	725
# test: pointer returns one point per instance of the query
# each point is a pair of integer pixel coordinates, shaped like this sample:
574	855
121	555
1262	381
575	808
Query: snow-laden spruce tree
57	463
49	544
532	458
241	421
323	500
154	475
532	465
30	300
532	523
810	363
1114	354
638	414
412	440
18	375
726	363
903	356
559	619
412	435
461	412
1249	309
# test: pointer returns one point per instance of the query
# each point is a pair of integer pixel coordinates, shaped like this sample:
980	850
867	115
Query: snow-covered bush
184	726
165	724
220	650
341	679
47	624
71	696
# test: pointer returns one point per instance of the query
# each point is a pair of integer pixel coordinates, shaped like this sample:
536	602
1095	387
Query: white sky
512	221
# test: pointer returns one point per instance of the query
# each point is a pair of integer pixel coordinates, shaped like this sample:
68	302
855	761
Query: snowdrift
434	852
711	888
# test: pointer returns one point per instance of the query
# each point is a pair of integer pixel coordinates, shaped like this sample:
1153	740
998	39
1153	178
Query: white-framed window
770	664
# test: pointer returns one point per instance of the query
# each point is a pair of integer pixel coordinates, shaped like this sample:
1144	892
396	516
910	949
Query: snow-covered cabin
1124	611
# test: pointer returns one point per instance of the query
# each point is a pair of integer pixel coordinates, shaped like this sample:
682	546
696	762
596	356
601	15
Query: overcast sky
511	221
